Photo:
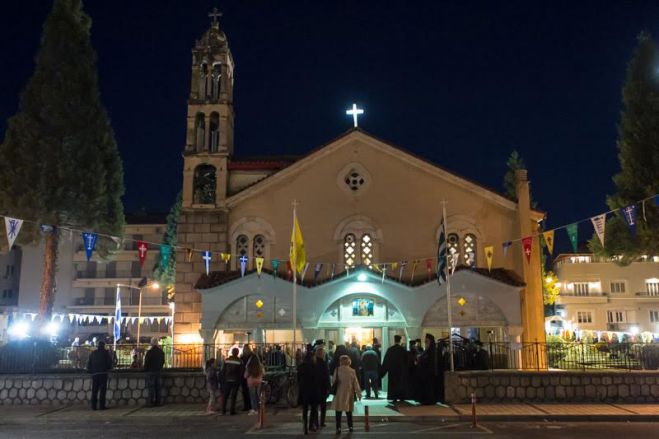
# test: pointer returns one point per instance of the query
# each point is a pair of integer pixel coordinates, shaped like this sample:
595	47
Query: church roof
217	278
294	162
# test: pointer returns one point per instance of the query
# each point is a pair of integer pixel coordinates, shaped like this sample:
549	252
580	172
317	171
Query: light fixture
634	330
361	277
19	329
51	329
155	286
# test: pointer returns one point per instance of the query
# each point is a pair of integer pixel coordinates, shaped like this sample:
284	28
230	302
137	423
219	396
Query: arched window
214	137
259	246
469	250
453	246
200	131
242	245
349	250
204	185
203	80
367	249
216	76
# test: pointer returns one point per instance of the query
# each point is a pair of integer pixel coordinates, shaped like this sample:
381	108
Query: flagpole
448	294
294	268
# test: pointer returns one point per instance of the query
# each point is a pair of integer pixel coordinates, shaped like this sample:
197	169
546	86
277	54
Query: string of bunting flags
598	222
91	318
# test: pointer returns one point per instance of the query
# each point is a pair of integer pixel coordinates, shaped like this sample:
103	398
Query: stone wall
553	386
124	388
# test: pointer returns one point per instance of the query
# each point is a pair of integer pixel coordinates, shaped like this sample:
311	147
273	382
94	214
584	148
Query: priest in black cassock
395	364
427	371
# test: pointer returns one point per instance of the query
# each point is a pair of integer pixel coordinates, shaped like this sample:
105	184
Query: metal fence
43	357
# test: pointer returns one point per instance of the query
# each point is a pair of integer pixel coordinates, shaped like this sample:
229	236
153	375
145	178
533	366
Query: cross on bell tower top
214	15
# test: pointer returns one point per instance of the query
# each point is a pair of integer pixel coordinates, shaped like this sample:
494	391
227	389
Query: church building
370	214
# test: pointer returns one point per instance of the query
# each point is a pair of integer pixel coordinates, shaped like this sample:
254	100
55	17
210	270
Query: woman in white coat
347	390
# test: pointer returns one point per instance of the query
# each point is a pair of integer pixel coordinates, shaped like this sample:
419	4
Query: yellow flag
298	256
489	255
226	257
259	266
549	240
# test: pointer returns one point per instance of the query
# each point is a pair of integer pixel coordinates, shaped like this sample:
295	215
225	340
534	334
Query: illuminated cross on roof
354	112
214	15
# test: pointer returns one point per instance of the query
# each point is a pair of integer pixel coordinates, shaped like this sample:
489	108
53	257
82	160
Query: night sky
460	83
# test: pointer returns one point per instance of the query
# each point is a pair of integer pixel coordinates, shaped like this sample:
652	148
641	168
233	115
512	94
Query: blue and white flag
243	265
316	272
629	212
207	256
13	226
441	254
506	245
117	317
89	241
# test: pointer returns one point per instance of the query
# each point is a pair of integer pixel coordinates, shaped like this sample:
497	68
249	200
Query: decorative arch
214	133
477	311
244	313
340	311
357	224
258	235
462	226
200	131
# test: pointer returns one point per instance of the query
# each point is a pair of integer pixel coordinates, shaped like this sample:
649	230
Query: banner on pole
89	241
489	256
526	246
12	226
142	249
573	235
548	236
599	224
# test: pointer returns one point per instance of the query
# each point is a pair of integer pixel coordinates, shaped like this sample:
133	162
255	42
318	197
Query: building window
584	317
200	131
618	286
204	184
259	246
349	250
242	245
367	250
354	180
469	250
581	289
616	316
652	287
453	246
654	316
214	135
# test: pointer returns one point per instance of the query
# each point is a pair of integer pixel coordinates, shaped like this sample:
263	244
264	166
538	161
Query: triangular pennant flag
489	256
142	249
429	268
207	256
89	241
71	317
414	264
275	267
226	257
506	245
243	265
98	319
289	272
165	252
394	265
599	224
12	226
377	268
259	266
573	235
188	254
384	271
333	272
645	218
117	240
526	246
401	270
316	272
629	212
304	271
548	236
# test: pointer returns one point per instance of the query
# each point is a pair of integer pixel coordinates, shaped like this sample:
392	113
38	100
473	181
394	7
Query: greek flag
117	317
441	254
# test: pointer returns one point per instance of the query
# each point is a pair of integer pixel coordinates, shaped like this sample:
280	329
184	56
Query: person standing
371	371
322	375
244	358
232	372
395	364
154	361
308	391
427	372
254	372
338	353
347	390
212	385
99	364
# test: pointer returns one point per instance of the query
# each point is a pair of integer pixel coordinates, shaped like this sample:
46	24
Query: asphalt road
235	427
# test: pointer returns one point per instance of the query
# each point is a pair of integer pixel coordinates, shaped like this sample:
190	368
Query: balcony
120	274
570	297
625	327
126	300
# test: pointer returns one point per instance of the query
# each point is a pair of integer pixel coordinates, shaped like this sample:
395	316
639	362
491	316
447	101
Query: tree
60	164
167	276
638	152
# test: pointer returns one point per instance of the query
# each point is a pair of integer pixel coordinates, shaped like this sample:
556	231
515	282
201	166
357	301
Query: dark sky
461	83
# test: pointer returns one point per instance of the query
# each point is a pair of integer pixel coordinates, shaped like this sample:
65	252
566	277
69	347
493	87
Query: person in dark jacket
244	358
371	368
355	357
308	391
322	374
395	365
154	361
338	352
230	376
427	372
99	364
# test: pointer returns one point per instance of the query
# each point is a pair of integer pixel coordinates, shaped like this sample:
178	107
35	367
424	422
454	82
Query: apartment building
599	295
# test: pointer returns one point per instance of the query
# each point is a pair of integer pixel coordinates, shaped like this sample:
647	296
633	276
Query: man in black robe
395	364
427	372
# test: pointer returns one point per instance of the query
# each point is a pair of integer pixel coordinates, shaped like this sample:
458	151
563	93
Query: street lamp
144	282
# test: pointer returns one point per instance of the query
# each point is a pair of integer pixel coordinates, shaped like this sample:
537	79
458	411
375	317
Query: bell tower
208	148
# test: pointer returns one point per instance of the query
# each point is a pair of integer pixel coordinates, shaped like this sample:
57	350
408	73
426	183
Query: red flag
429	267
526	244
290	271
142	248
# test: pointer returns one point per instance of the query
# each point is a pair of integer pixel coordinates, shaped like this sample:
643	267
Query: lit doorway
362	336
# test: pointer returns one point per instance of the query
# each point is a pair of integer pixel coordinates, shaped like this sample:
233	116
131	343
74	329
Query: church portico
357	307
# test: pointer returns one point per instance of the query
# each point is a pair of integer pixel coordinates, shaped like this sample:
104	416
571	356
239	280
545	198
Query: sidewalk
379	410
